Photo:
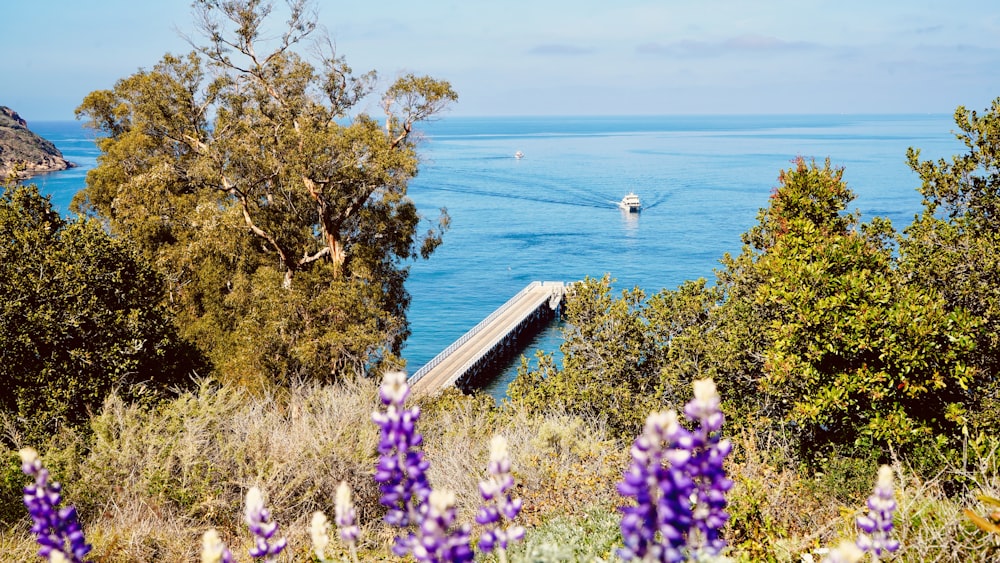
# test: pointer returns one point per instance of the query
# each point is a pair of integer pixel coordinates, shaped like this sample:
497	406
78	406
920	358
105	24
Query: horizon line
627	115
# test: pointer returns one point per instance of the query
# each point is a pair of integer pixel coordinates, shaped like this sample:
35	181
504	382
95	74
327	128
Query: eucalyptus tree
277	211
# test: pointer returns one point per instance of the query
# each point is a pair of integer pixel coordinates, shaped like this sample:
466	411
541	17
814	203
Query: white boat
630	203
519	155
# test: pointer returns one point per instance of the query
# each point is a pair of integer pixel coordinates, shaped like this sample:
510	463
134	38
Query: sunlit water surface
552	214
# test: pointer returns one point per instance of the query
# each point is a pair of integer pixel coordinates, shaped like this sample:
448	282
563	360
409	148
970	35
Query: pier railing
472	333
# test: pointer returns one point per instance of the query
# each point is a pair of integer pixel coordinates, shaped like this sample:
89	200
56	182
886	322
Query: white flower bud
317	530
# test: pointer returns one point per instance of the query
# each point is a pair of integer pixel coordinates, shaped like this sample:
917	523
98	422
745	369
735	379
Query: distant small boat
519	155
630	203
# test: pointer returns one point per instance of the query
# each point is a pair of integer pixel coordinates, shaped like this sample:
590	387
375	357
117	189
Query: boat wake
656	200
579	199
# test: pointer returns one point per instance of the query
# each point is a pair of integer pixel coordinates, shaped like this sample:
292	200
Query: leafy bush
953	246
592	534
11	482
80	317
849	352
615	352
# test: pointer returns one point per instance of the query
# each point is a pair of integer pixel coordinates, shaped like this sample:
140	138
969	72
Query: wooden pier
463	362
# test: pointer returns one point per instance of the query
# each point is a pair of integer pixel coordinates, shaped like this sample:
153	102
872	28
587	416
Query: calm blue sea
552	215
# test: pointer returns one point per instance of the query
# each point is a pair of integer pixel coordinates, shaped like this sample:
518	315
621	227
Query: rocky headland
21	147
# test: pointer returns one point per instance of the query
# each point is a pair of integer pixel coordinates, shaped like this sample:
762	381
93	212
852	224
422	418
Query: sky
563	57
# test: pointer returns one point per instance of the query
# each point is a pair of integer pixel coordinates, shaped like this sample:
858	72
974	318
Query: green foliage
611	367
845	476
848	351
624	356
277	216
592	535
80	317
684	332
954	245
12	482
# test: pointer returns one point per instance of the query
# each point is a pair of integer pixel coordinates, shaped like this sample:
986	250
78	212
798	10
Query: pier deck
467	355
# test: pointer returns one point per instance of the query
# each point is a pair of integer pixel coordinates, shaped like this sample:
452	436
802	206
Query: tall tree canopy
277	213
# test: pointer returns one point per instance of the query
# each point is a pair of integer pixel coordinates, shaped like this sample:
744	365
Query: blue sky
561	57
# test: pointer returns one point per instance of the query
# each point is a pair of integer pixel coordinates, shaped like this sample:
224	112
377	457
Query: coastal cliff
20	146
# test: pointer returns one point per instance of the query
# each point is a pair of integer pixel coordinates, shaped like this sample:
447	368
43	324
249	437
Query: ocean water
552	215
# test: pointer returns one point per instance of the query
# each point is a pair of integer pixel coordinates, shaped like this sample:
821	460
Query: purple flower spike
401	469
877	524
498	504
709	451
661	493
258	519
678	483
438	542
56	530
349	531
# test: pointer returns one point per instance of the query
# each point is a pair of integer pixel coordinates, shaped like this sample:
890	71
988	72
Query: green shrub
591	535
12	481
80	316
845	479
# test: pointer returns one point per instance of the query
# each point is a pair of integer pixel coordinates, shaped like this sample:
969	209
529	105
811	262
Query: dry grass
152	483
781	516
932	526
776	514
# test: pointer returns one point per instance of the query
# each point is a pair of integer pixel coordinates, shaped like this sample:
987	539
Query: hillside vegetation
218	319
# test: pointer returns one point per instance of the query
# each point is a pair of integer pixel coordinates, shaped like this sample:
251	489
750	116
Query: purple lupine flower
213	550
258	519
349	531
877	524
498	504
438	542
345	514
401	469
678	483
709	451
56	529
662	490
